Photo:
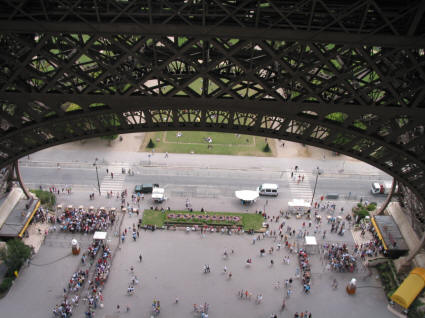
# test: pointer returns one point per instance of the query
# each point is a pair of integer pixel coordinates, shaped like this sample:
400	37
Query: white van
268	189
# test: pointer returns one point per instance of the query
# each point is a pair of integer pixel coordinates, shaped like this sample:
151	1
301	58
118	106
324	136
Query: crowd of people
304	263
303	314
339	259
97	281
42	216
85	221
72	291
86	275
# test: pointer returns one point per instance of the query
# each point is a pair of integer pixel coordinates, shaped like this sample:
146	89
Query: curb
74	165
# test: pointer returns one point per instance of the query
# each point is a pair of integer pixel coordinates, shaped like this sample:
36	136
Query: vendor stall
298	206
100	235
310	245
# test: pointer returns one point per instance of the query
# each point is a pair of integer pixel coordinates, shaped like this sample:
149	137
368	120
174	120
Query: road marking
115	184
301	189
74	187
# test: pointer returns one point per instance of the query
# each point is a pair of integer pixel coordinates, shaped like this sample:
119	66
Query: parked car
145	188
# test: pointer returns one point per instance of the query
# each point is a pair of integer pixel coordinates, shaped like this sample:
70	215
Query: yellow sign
16	273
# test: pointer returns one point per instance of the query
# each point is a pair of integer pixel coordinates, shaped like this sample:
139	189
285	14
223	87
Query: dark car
145	188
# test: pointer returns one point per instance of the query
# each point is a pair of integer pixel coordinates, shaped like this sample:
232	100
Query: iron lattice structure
344	76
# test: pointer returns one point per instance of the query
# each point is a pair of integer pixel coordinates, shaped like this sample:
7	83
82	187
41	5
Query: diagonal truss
346	77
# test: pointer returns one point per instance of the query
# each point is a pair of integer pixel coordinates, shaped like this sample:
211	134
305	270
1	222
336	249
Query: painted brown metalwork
348	77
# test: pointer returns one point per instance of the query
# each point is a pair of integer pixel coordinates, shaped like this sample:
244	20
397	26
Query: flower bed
191	218
247	221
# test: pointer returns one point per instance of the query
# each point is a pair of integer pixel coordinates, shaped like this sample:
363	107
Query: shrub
266	148
6	284
14	255
45	197
151	144
362	213
371	207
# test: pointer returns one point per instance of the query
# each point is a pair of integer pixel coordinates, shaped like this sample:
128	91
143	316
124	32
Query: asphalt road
183	181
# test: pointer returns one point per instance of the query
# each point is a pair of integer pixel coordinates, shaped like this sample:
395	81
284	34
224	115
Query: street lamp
317	171
97	175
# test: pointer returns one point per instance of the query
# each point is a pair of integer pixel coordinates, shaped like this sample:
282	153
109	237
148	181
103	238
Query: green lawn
158	218
153	218
222	143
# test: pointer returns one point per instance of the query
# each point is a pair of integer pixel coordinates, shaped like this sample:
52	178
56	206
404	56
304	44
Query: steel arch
346	77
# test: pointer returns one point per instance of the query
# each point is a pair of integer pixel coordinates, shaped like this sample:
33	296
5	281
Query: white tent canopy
299	203
310	240
99	235
247	195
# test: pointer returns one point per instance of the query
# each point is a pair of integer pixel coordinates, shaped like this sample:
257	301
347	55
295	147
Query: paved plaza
173	261
172	267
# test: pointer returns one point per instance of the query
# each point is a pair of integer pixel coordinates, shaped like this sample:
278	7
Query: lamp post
317	172
265	204
97	175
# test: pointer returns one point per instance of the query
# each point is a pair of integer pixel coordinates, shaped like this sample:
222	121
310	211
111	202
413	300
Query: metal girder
344	76
370	22
227	31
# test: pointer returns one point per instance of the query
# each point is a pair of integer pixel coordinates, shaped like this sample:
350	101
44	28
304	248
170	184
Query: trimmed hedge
6	284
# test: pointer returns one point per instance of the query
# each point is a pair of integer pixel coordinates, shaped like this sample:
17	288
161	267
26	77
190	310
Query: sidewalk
126	152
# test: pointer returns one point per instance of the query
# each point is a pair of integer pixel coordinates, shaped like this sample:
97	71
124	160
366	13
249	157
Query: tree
266	148
151	144
109	138
14	255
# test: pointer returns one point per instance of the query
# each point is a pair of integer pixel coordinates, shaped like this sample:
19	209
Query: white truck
381	187
158	195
